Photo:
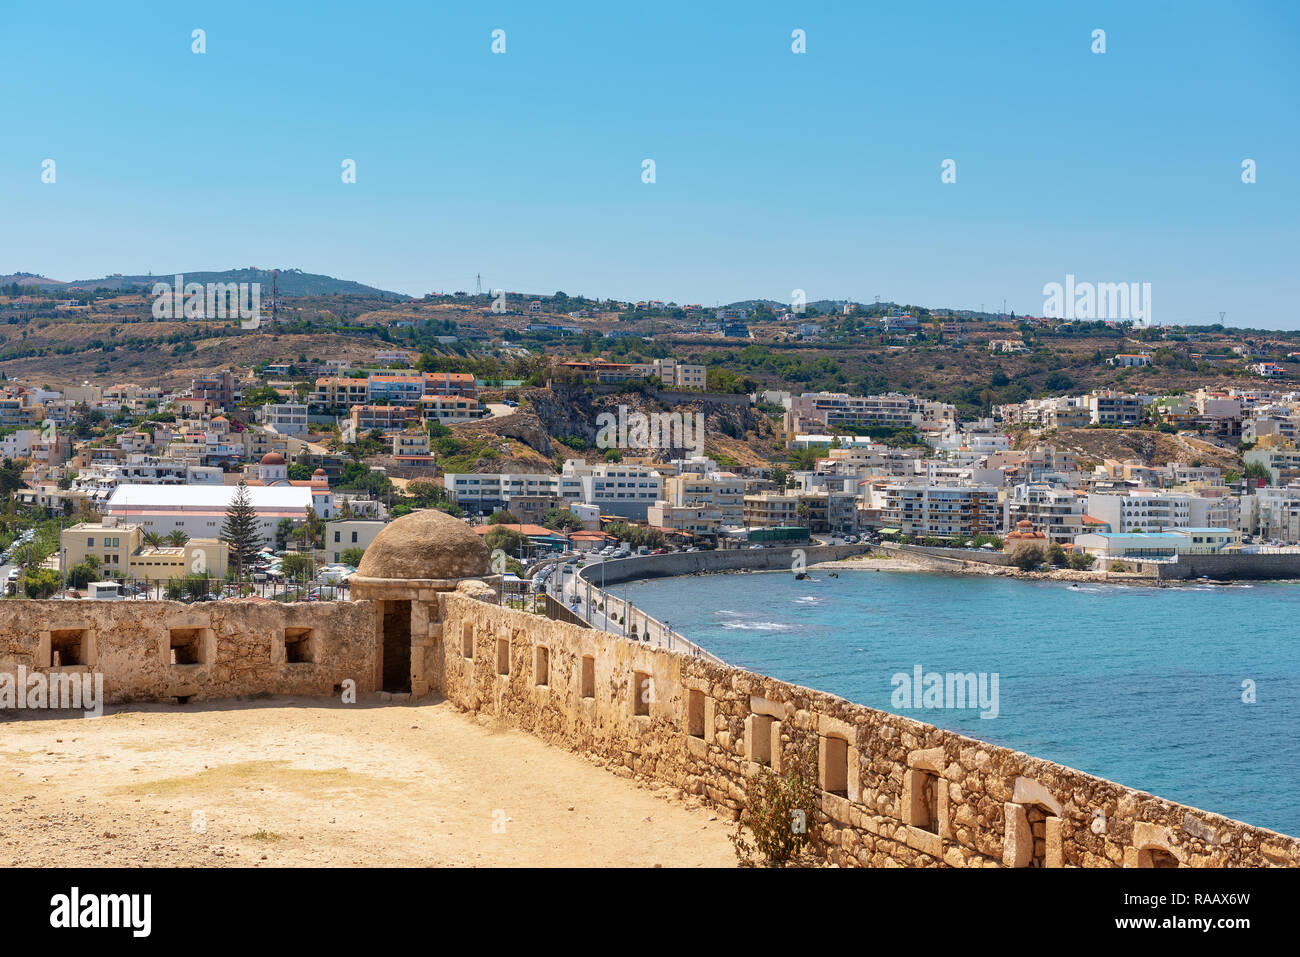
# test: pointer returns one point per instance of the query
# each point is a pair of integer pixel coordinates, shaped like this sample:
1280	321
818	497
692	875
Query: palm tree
177	538
153	539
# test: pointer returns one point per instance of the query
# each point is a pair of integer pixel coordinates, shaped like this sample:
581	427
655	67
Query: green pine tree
240	530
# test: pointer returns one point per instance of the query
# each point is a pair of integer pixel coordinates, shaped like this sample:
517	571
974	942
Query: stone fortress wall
164	650
894	792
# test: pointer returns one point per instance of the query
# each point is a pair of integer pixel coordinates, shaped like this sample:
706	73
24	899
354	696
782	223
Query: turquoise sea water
1142	686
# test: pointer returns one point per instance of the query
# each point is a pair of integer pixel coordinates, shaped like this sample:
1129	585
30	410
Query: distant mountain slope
293	282
29	279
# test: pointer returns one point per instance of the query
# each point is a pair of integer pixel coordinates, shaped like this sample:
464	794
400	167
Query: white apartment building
1283	464
1285	427
100	478
1141	510
624	490
1060	412
627	491
943	511
1107	407
700	503
814	411
1056	512
1272	513
1129	360
285	418
488	492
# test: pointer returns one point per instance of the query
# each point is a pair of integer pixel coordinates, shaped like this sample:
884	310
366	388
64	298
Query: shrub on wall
778	811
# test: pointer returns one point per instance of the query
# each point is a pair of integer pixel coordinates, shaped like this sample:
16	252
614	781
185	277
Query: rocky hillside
556	424
1153	448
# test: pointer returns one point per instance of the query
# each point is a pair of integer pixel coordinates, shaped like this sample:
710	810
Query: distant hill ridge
292	282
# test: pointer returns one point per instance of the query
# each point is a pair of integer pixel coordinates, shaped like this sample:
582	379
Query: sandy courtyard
298	782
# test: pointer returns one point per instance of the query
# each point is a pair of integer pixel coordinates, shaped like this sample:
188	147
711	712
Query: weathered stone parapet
163	650
896	792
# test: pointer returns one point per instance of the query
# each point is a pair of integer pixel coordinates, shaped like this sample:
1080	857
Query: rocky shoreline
920	563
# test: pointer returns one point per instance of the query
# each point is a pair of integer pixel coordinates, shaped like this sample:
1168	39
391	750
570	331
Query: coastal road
574	597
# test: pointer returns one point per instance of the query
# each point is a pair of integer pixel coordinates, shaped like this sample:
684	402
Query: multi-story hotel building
943	511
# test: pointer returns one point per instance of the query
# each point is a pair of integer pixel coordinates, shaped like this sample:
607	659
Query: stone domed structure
423	545
273	458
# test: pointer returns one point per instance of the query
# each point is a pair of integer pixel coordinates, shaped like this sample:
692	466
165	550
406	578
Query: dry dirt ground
297	782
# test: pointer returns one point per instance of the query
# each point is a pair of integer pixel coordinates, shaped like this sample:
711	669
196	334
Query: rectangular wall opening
503	656
542	666
186	646
588	677
67	647
760	748
923	811
467	640
1037	818
397	647
641	692
695	713
835	773
299	646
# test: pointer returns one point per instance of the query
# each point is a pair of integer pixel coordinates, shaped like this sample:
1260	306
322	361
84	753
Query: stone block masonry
166	650
894	791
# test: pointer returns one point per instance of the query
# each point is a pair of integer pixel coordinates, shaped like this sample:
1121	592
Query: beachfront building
941	511
1159	546
619	489
627	491
1141	510
488	492
1272	513
1057	512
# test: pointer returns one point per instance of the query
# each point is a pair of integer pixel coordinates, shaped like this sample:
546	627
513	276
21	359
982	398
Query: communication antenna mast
1221	315
478	284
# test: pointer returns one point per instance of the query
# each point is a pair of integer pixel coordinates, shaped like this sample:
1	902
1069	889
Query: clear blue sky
775	171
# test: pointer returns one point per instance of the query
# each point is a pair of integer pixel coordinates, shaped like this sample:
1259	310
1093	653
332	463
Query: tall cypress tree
240	530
